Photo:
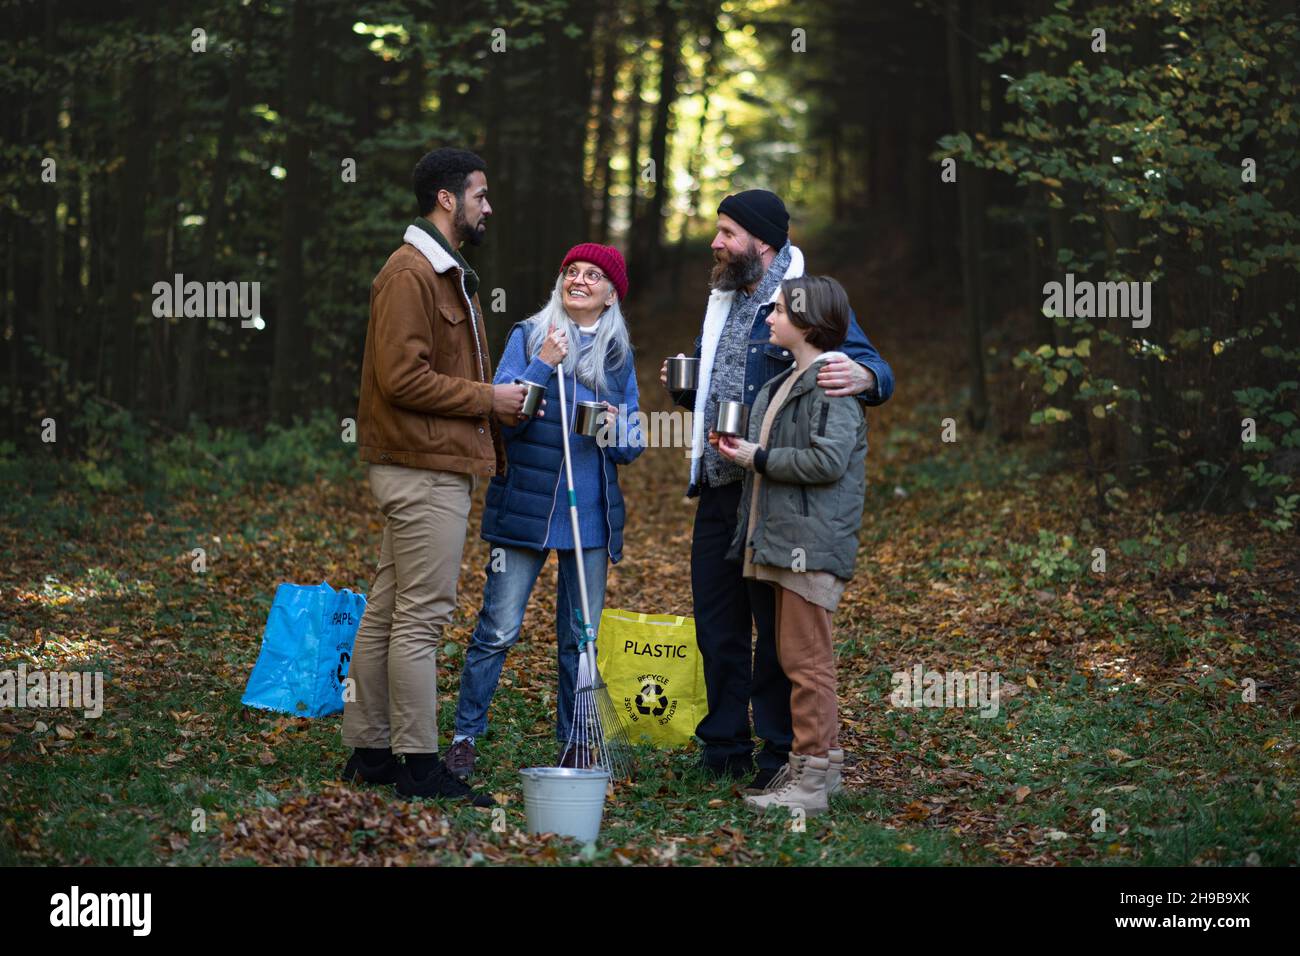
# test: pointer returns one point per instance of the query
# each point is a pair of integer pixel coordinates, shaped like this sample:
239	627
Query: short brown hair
823	314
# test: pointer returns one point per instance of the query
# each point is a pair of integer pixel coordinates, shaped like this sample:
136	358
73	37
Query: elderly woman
580	334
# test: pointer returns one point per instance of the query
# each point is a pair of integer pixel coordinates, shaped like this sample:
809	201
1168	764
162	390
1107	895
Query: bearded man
752	255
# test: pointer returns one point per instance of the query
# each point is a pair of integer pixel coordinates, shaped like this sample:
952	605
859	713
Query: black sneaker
359	770
439	783
763	779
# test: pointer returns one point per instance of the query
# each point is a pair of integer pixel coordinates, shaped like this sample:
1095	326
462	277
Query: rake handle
588	638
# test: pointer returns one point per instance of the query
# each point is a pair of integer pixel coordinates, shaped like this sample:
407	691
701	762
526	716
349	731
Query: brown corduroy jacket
426	378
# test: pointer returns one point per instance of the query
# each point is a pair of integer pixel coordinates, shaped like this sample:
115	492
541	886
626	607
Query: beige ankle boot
805	789
793	765
834	783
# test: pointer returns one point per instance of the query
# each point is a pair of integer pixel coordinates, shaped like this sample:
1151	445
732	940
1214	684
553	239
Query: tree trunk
162	255
50	234
131	203
634	107
293	218
610	62
189	374
963	79
649	231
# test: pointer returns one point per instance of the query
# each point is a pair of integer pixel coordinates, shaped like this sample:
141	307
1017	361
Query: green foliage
1050	561
1149	147
1271	407
116	453
115	448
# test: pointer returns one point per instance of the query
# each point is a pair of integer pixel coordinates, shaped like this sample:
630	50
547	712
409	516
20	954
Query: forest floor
1125	733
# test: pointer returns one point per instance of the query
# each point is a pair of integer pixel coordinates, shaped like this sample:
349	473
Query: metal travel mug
733	419
588	418
533	398
683	373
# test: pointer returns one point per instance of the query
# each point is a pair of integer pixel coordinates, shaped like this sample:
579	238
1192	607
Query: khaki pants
803	645
394	662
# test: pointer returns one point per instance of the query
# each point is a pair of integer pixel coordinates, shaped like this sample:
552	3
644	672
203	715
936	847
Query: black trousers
738	672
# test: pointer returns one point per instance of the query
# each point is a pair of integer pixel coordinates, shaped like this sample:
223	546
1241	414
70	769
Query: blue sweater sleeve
630	428
859	348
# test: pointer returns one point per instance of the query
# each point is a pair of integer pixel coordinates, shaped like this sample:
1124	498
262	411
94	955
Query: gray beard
739	273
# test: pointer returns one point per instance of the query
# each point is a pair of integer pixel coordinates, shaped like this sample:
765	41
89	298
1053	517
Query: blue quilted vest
517	511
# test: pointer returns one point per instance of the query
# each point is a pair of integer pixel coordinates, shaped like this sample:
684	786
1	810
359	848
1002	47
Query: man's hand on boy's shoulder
842	376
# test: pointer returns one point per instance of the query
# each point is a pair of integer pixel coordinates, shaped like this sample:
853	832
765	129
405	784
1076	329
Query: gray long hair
611	339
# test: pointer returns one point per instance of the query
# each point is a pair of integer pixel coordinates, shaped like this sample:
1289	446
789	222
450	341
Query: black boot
371	765
424	779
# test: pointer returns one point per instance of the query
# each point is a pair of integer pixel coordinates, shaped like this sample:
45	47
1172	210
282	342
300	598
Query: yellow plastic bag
655	675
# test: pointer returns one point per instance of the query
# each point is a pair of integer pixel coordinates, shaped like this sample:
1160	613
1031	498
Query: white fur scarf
715	317
441	261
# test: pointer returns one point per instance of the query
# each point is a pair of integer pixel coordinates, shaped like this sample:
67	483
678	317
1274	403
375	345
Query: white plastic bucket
565	801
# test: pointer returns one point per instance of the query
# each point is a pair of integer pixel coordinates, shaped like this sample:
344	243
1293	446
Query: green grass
1184	771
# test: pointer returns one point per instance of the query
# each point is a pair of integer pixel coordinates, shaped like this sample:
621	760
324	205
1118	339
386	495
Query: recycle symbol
652	699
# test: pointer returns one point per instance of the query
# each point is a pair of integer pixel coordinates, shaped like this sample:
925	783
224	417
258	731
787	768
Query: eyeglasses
590	277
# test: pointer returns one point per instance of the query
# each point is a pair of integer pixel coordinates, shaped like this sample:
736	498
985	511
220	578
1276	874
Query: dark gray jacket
814	479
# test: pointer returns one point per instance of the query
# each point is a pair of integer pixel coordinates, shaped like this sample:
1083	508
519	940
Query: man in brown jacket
427	419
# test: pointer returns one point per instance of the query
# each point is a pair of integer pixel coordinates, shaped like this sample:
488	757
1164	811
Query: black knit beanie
761	213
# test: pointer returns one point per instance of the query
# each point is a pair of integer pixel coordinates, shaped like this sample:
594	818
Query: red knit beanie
609	259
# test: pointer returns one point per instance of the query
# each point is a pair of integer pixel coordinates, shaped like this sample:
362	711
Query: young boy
800	510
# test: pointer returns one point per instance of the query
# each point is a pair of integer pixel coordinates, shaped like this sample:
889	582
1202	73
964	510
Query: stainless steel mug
533	398
683	373
733	419
588	418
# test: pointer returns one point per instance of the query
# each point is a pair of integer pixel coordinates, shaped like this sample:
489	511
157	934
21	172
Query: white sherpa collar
715	317
438	257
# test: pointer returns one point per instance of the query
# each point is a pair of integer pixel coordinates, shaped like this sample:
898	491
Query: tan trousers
394	662
803	646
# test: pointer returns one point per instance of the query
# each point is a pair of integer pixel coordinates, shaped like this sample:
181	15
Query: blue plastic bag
306	650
